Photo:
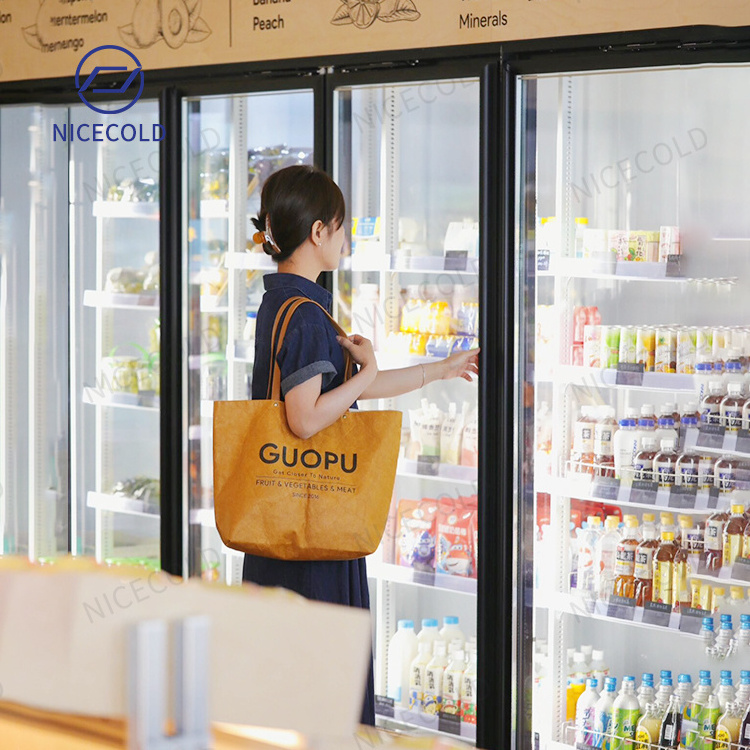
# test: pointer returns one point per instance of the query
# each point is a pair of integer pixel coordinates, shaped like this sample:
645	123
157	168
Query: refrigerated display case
406	155
631	294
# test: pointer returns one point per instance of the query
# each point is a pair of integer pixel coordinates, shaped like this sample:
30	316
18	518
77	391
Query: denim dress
309	349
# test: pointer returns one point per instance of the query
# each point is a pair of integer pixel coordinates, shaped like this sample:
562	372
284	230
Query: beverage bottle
746	415
744	738
725	475
671	725
643	463
664	464
742	639
719	599
587	651
714	539
581	669
666	521
586	714
728	728
452	684
725	693
429	632
647	731
416	676
706	467
606	557
451	631
692	714
734	372
725	674
603	714
704	374
742	696
625	714
664	569
646	423
731	407
432	691
625	445
666	428
575	689
711	713
746	542
664	689
691	411
711	404
706	633
646	693
687	468
469	691
680	587
587	554
401	652
684	690
582	455
598	667
734	534
644	555
625	561
669	409
604	446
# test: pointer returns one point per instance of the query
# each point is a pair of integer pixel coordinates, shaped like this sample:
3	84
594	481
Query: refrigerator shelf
725	576
119	504
207	409
241	351
210	303
418	264
446	472
196	361
411	577
96	397
719	442
110	300
203	517
250	262
214	209
607	378
405	718
126	210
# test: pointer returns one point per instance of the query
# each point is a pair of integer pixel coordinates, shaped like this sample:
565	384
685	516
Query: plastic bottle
581	669
451	631
730	409
725	674
742	640
604	447
736	600
666	521
452	684
649	725
733	369
707	634
589	543
719	599
664	569
706	467
625	714
664	691
586	714
746	542
402	650
725	474
625	445
646	693
417	674
742	696
643	463
684	690
625	561
582	455
734	534
598	667
714	539
728	727
708	722
644	555
744	738
671	725
575	689
433	680
429	633
746	415
666	429
603	713
704	374
687	468
664	464
690	411
646	423
469	691
692	713
681	595
726	692
711	404
606	557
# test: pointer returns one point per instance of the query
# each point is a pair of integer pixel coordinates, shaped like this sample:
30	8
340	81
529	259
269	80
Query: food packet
454	556
450	436
415	541
430	429
414	448
470	441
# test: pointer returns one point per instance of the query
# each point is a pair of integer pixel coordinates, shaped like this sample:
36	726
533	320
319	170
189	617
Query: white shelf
126	210
724	576
210	304
119	504
250	262
607	378
148	301
207	409
241	351
203	517
214	209
411	577
432	264
96	397
407	719
195	432
446	473
196	361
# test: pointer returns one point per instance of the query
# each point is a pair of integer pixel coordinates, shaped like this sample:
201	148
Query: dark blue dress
310	348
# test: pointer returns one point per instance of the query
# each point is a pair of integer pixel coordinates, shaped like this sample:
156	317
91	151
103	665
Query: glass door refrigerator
632	243
406	154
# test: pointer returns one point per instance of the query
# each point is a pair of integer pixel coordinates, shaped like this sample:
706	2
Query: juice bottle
728	728
625	562
725	693
586	714
733	369
731	407
429	632
582	455
689	411
711	404
664	690
589	542
598	667
681	593
647	731
469	690
734	534
604	450
644	554
692	714
746	415
664	464
452	684
416	676
666	521
746	542
718	598
646	693
684	690
706	472
625	445
575	690
607	557
664	569
666	429
714	539
711	713
625	714
687	469
646	423
742	696
643	464
671	725
704	370
603	714
433	680
744	738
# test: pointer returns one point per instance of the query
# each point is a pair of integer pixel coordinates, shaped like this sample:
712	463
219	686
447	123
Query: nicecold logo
310	459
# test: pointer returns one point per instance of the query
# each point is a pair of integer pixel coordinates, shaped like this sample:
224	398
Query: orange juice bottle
734	533
663	585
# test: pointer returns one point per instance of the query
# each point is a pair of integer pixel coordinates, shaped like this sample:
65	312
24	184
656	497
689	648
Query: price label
605	488
428	465
629	374
691	620
711	436
741	569
542	260
385	706
621	607
456	260
674	265
643	492
449	723
743	441
683	496
657	613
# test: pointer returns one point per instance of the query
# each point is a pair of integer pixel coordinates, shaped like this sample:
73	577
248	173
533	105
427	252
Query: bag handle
281	324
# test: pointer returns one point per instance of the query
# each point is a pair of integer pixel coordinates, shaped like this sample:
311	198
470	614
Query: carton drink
669	242
645	347
666	350
686	350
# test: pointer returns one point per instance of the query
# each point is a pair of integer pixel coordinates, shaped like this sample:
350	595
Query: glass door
633	306
234	143
406	156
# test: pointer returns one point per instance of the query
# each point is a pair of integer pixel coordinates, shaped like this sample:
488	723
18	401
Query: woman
301	227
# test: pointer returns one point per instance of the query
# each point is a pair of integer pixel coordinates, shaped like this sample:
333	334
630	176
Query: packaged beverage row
450	437
438	536
433	672
428	345
425	312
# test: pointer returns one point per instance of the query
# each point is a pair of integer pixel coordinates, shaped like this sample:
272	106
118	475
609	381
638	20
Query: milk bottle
469	690
452	684
451	631
401	652
416	676
429	632
433	680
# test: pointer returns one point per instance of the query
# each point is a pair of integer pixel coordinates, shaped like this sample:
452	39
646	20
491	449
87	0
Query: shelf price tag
542	259
674	265
741	569
691	620
621	607
605	488
643	492
456	260
657	613
711	436
683	496
743	441
450	723
384	706
629	374
428	465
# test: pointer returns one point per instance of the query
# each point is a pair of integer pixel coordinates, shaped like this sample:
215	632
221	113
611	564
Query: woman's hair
293	199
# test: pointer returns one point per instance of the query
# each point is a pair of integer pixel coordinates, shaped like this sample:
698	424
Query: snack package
415	537
454	555
414	448
474	534
430	429
470	441
450	436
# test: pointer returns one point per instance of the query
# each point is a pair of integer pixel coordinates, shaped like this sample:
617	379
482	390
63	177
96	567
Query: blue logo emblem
132	76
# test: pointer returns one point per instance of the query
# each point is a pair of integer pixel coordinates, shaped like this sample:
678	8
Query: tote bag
276	495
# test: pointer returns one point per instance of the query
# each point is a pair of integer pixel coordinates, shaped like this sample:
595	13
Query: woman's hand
460	365
361	351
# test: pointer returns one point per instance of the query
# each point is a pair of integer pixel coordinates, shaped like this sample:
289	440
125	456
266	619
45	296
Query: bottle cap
684	678
726	618
628	678
726	680
579	681
667	681
594	521
610	683
646	676
439	648
649	443
665	673
736	592
706	681
705	673
719	591
726	673
631	413
647	410
715	385
592	682
745	618
666	421
631	522
613	522
667	536
735	389
738	509
579	658
459	655
429	623
708	623
667	445
690	407
597	655
649	517
586	650
450	620
405	624
608	412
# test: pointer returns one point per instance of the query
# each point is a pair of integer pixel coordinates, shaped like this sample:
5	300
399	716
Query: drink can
592	337
628	342
610	346
645	347
703	349
666	350
686	350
